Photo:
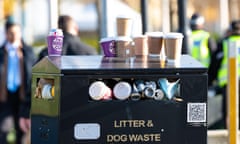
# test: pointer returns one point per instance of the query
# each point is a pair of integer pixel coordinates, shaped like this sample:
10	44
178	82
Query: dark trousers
14	102
11	108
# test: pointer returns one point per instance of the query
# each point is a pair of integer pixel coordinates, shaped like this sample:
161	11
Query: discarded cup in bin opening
159	95
149	92
99	91
47	91
150	87
168	88
151	84
135	95
139	85
122	90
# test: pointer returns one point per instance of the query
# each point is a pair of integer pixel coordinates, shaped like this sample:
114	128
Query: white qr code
196	112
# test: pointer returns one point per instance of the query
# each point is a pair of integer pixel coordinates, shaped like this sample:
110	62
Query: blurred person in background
16	61
72	45
221	65
202	46
217	57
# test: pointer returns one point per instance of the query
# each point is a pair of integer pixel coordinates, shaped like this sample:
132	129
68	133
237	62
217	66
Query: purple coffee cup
108	46
55	42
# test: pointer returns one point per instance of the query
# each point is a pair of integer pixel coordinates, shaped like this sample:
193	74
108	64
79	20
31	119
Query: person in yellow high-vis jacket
221	65
202	45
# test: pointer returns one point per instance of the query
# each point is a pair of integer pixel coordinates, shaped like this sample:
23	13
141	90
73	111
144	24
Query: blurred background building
96	17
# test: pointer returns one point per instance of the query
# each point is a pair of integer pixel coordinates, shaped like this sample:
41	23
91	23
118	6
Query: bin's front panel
194	91
145	121
45	108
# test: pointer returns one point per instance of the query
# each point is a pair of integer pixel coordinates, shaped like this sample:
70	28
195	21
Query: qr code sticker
196	112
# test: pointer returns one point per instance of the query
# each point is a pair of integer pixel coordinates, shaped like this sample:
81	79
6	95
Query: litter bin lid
101	64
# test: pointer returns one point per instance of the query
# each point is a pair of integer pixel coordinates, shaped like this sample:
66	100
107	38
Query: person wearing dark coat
16	61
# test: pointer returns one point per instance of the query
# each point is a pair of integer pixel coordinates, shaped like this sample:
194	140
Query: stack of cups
124	42
122	45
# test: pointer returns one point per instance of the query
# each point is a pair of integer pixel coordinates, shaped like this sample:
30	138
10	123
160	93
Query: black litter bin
101	100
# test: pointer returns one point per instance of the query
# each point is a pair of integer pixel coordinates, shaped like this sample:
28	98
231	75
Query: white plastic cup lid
123	38
56	32
122	90
46	91
124	16
107	39
139	36
155	34
97	90
173	35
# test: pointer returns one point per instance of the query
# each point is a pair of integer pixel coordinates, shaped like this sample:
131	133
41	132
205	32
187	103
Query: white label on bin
86	131
196	112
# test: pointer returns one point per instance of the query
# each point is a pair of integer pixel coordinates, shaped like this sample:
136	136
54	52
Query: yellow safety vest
223	71
199	49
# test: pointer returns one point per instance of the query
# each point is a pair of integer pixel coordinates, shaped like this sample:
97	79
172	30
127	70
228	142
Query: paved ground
218	137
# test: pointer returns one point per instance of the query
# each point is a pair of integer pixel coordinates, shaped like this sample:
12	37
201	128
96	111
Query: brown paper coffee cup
155	43
141	45
124	47
173	46
124	26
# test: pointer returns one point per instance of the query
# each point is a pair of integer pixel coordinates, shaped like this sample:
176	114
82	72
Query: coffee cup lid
139	36
155	34
97	90
123	38
124	16
46	91
55	32
173	35
122	90
107	39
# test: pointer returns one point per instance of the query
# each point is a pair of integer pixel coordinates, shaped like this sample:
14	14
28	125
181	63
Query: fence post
232	92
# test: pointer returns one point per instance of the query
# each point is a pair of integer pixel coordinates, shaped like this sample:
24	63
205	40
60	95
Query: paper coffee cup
173	46
140	45
155	43
124	47
124	25
108	46
55	42
98	91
